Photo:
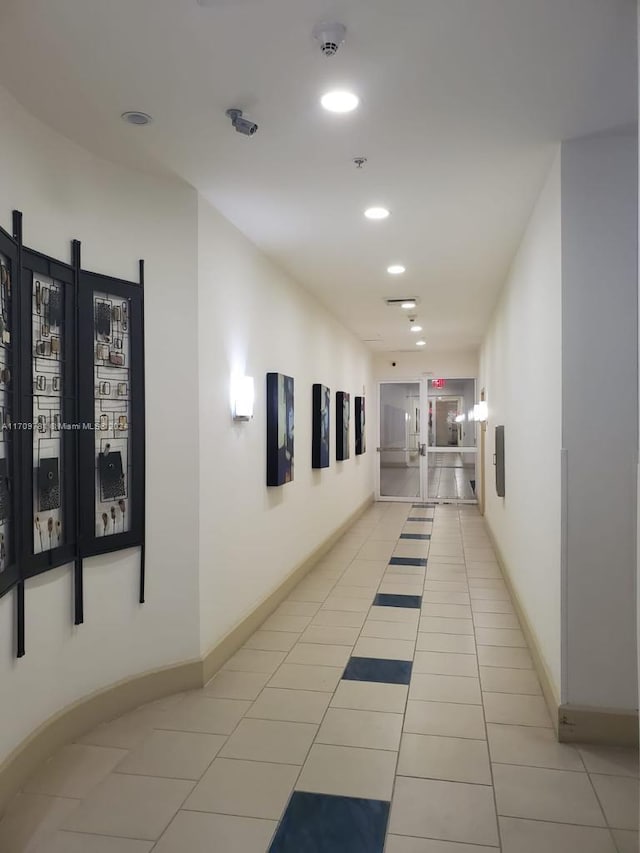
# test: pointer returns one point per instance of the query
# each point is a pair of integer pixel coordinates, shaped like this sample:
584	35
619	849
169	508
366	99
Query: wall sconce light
243	398
481	411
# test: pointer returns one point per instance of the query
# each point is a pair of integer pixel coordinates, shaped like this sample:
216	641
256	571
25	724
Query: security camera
242	125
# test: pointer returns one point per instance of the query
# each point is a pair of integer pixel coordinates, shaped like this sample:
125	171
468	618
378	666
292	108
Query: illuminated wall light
483	411
460	419
472	414
243	398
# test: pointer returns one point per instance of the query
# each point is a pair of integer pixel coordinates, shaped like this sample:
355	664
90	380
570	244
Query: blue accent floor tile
415	536
322	823
407	561
420	519
380	670
386	599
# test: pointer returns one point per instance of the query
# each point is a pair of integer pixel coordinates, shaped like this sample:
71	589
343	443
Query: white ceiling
461	104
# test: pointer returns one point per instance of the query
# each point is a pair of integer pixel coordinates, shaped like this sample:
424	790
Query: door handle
423	449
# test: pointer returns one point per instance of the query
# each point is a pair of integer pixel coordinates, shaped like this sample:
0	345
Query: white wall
254	319
520	369
456	364
119	216
600	416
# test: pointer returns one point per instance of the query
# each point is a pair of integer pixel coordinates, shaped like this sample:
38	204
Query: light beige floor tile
286	622
456	643
228	684
619	797
437	757
626	840
533	836
330	635
309	594
373	647
318	654
272	641
408	615
504	656
125	732
431	597
452	811
486	606
370	696
296	706
446	586
339	618
411	548
480	555
74	770
516	710
446	611
496	620
370	729
404	844
199	832
394	588
244	788
540	794
480	570
297	608
176	755
438	559
438	550
349	605
199	713
365	593
489	594
349	772
297	676
31	819
497	680
130	806
445	718
271	741
76	842
487	583
531	746
610	760
375	549
389	630
443	663
254	660
440	625
500	637
445	688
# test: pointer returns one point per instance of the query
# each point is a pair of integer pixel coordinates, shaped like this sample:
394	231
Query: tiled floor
384	706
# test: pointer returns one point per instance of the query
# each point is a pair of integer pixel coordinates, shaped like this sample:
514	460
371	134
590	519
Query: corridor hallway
394	684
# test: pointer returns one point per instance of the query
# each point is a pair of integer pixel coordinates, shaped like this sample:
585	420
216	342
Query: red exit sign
439	383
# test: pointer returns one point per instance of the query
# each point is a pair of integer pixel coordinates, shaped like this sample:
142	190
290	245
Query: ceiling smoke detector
330	37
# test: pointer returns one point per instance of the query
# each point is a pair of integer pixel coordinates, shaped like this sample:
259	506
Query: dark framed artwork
343	414
321	426
280	414
361	441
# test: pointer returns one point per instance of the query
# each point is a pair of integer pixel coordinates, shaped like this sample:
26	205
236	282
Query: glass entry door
401	450
452	448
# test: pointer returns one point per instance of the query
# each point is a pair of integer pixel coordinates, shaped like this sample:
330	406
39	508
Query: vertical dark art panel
361	442
320	439
279	429
343	411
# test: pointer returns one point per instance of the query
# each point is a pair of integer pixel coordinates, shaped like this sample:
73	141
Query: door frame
421	382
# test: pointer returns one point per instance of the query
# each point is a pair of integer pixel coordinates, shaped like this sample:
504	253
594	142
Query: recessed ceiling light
421	343
135	117
376	213
408	305
340	102
415	328
396	269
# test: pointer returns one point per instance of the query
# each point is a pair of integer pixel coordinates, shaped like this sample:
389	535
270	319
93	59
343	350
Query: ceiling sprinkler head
330	37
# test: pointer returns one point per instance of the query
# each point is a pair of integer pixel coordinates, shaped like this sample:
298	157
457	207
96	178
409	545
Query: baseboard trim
126	695
605	726
546	681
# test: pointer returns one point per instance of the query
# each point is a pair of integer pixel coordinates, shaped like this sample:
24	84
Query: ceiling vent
401	302
330	37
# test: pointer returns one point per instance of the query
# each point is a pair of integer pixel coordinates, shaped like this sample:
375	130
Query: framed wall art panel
48	429
321	427
280	414
361	440
343	414
9	360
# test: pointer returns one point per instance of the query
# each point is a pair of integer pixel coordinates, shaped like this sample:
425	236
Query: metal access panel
499	461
